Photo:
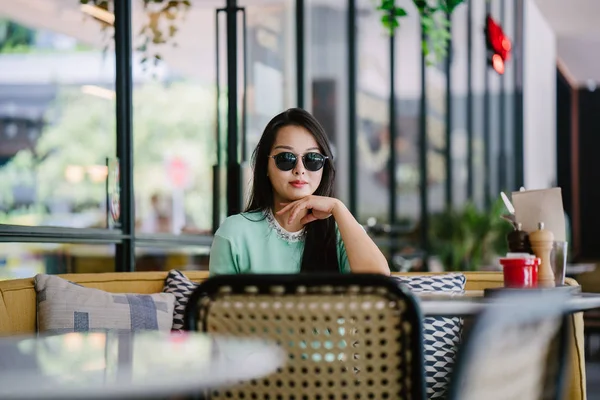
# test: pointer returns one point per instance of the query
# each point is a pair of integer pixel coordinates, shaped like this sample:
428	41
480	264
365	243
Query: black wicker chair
353	336
516	349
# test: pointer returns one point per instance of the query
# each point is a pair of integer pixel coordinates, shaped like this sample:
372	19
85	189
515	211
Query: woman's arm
363	254
222	260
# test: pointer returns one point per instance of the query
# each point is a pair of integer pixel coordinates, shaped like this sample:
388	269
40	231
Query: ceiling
575	23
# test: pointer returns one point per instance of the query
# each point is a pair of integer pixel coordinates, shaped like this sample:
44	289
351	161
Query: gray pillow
64	306
441	335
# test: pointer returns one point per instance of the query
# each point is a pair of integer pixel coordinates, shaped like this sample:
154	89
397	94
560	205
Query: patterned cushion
441	335
180	286
64	306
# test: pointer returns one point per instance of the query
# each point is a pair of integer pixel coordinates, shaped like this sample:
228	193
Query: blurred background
126	130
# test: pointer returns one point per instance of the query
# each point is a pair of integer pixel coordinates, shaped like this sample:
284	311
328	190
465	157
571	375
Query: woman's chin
298	194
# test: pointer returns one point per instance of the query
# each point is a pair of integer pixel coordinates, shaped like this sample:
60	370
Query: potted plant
468	239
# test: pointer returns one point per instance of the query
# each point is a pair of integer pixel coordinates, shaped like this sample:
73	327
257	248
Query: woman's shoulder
237	224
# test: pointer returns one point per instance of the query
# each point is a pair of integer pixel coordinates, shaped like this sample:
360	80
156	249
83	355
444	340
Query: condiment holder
541	243
520	271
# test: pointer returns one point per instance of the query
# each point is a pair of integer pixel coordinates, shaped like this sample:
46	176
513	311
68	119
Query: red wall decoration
498	45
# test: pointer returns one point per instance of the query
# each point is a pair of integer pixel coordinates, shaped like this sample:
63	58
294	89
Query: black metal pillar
216	194
470	178
487	162
300	77
423	144
519	62
352	128
125	251
448	155
502	151
234	182
392	126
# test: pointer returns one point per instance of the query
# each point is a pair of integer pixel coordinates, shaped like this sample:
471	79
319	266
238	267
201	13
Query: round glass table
122	365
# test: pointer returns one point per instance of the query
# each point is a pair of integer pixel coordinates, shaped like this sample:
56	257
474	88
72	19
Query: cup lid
520	262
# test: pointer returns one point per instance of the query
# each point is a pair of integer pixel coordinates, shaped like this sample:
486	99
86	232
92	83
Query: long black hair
320	246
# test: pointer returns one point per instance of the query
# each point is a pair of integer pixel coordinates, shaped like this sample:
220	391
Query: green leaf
387	5
400	12
420	4
428	24
389	22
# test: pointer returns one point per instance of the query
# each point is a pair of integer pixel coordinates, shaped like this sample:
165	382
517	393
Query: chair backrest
516	349
347	336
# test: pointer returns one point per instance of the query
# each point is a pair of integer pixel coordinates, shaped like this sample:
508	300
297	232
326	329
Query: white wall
539	100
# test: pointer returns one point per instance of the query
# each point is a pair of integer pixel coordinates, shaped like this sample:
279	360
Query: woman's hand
363	253
322	208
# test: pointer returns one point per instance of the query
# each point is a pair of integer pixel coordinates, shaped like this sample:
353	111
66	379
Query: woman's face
298	182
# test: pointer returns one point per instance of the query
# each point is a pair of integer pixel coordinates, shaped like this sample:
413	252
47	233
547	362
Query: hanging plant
161	14
159	28
434	23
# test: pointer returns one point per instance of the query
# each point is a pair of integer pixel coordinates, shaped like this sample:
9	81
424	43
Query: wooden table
125	365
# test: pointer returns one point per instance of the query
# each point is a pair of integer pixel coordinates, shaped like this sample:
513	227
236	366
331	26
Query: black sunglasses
286	161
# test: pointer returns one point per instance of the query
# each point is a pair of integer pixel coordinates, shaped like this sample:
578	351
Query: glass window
479	69
407	256
459	134
57	112
271	63
270	71
373	94
508	86
175	78
24	260
326	44
435	114
408	97
436	135
494	123
173	115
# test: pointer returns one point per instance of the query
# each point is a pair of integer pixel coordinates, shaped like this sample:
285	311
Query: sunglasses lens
285	161
314	161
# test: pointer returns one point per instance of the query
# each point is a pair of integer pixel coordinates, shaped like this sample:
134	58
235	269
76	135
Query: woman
293	223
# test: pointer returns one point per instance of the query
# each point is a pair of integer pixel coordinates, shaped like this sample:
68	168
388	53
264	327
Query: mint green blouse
255	243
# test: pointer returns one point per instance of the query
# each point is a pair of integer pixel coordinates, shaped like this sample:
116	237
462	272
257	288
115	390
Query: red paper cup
520	272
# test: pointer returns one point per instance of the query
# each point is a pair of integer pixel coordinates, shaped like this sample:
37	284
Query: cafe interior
463	136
